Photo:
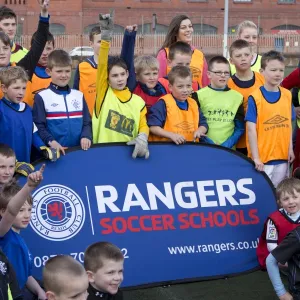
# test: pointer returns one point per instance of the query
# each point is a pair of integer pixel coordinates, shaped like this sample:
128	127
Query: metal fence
209	44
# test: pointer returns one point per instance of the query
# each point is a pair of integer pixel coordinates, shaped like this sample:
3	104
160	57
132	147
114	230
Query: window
286	27
204	29
147	28
57	29
150	0
19	29
286	1
117	28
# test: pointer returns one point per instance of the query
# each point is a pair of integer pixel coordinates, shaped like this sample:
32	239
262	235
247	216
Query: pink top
162	59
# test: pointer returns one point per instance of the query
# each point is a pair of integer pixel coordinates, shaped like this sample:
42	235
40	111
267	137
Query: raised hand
131	28
106	22
44	7
35	178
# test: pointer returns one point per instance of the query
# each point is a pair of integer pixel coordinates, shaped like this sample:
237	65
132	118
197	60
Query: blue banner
188	212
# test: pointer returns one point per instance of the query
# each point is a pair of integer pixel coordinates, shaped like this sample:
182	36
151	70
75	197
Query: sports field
254	286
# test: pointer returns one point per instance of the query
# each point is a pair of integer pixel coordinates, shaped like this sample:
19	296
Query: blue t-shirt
14	247
40	72
271	97
251	115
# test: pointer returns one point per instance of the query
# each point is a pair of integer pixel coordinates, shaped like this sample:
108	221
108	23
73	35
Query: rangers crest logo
57	213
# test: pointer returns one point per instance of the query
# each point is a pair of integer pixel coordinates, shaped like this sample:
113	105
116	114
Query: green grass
253	286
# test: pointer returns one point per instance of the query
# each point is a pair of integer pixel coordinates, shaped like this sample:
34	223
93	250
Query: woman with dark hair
181	29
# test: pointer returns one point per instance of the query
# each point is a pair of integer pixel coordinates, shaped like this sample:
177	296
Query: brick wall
75	15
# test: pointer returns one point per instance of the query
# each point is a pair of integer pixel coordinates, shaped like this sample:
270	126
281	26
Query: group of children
176	97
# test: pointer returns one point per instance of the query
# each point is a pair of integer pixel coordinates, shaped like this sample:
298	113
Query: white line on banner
88	199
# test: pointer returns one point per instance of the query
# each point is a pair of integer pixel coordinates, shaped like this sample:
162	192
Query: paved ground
251	286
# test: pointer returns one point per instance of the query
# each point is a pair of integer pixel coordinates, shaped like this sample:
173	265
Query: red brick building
76	16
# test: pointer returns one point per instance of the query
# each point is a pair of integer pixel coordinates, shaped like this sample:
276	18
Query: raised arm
107	26
15	204
127	54
30	60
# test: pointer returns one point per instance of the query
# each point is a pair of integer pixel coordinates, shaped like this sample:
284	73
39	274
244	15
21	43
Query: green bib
118	121
219	109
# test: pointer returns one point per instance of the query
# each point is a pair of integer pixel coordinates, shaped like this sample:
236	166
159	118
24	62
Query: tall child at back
221	106
244	81
86	72
15	210
30	60
8	24
60	113
269	121
119	115
180	54
40	78
248	31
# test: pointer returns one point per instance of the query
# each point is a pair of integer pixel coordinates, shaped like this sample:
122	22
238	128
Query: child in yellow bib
245	80
176	117
269	121
119	115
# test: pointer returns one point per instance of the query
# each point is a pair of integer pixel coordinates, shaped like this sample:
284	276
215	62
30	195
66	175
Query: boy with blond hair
65	278
16	123
269	121
143	70
147	85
